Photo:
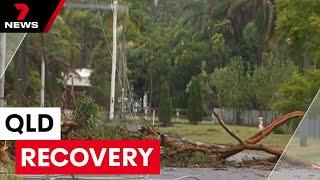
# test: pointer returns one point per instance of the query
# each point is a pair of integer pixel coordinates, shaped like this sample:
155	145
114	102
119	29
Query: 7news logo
21	16
23	10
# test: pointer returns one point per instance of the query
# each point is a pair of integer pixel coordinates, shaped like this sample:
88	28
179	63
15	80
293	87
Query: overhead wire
132	113
103	29
131	103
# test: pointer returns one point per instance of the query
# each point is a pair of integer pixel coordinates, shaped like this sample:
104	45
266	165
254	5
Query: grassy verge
212	133
310	152
9	172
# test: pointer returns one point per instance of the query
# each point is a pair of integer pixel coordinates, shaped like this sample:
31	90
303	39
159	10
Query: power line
114	7
102	26
99	6
95	6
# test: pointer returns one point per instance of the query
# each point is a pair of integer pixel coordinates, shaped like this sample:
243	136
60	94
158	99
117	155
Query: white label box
26	123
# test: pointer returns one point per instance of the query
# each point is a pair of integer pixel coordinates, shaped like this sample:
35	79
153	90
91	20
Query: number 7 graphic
24	10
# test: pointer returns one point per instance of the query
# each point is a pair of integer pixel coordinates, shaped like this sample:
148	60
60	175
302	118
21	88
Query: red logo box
88	157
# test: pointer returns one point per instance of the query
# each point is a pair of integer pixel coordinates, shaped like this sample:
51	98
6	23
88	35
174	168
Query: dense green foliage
165	106
88	108
246	54
297	26
297	93
195	105
298	23
239	88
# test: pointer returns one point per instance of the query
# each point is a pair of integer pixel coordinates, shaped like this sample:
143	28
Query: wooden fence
245	117
230	116
312	127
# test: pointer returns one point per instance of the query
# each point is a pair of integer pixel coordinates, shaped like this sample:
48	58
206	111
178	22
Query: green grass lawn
310	152
208	132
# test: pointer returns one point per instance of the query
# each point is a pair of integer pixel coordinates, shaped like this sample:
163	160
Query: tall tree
165	106
195	105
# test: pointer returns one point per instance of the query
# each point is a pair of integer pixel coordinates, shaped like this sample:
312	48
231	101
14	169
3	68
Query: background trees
245	54
298	92
298	24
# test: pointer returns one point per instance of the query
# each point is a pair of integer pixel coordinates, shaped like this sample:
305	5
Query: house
80	79
79	82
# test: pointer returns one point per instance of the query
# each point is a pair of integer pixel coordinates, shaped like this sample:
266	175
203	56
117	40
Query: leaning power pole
114	60
3	43
115	6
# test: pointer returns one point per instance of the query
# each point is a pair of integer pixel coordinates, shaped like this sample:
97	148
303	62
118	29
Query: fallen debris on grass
216	153
174	146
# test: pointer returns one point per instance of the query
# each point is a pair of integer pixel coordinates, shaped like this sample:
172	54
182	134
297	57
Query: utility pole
115	6
3	43
114	60
43	72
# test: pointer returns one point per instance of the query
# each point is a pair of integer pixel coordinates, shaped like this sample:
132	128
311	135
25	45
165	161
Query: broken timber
222	152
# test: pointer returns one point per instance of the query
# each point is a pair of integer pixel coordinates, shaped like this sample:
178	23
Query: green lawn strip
208	132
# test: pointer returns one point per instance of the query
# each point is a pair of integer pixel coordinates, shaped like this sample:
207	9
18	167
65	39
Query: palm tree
198	14
242	12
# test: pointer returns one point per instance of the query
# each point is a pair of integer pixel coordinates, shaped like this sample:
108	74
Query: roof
81	78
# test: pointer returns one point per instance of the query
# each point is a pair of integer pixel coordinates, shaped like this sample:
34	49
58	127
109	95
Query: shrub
88	110
165	106
195	106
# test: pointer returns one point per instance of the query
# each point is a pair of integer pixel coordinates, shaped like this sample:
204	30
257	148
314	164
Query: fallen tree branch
273	126
4	156
225	127
222	152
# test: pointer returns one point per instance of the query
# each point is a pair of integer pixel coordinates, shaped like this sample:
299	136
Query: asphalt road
181	173
207	174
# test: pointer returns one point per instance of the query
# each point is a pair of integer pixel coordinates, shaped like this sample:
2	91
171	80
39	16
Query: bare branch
273	126
225	127
220	152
